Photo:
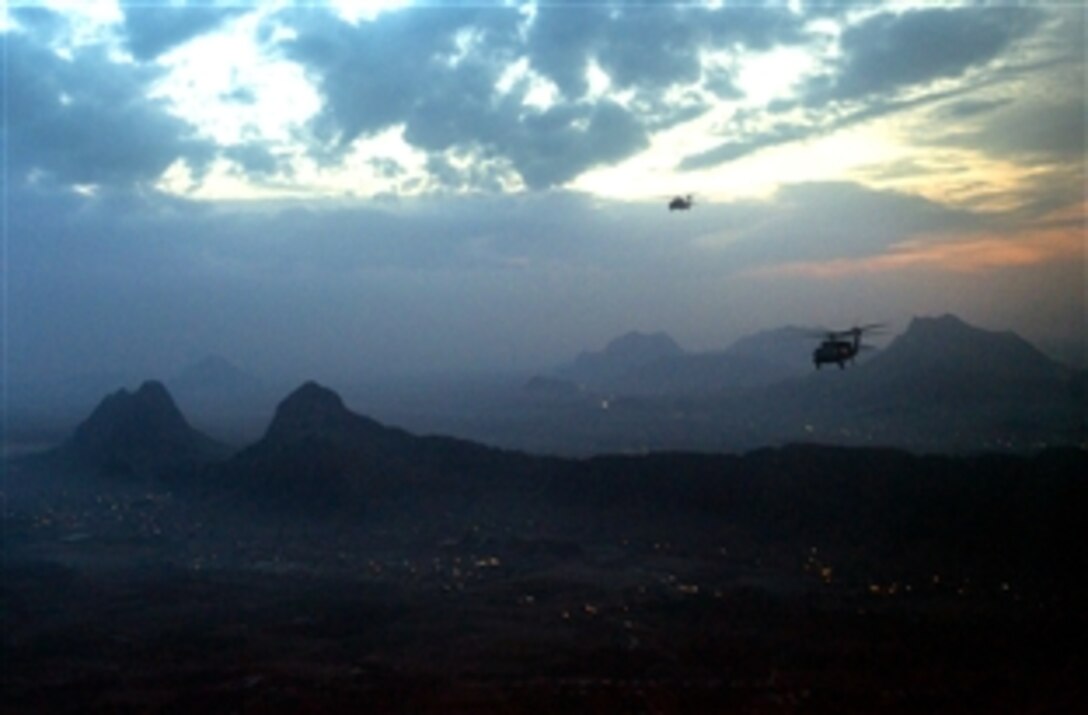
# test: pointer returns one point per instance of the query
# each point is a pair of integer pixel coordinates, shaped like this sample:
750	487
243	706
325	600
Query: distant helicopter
681	203
839	346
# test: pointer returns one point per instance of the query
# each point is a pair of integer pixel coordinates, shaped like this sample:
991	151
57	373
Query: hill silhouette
639	364
139	434
948	348
318	458
941	385
945	362
628	352
788	349
342	561
317	454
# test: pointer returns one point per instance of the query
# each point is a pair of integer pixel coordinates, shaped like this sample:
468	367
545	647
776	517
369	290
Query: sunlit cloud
722	101
976	253
907	142
227	86
367	10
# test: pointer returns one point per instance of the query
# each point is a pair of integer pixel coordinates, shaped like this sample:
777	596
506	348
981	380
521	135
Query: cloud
973	254
806	124
557	145
839	220
652	48
256	159
968	108
85	119
452	282
647	49
561	42
153	28
888	63
732	150
437	74
118	280
890	52
1047	129
40	22
372	75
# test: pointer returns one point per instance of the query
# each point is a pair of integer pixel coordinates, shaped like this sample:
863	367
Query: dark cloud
474	173
1029	129
658	114
121	282
889	52
652	48
132	283
647	47
557	145
436	74
721	84
87	120
810	123
881	57
969	108
40	22
386	168
562	40
372	75
830	220
459	107
739	148
152	28
256	159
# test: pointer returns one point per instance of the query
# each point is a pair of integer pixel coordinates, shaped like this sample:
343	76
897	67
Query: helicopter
681	203
839	346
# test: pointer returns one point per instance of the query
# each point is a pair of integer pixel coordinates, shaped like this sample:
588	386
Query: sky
348	189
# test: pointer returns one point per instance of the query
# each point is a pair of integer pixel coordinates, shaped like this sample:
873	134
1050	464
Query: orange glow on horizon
971	253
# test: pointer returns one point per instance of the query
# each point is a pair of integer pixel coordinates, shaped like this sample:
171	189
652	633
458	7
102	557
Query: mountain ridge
920	394
318	453
947	343
140	433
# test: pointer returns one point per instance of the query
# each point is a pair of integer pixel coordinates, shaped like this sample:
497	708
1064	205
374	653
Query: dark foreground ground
137	600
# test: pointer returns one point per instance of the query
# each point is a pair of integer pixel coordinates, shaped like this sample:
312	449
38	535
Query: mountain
948	346
941	361
214	375
754	361
785	351
141	434
622	355
942	384
318	454
637	364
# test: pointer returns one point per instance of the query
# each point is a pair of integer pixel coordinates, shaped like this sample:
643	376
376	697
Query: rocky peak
138	432
642	346
124	415
310	409
948	343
